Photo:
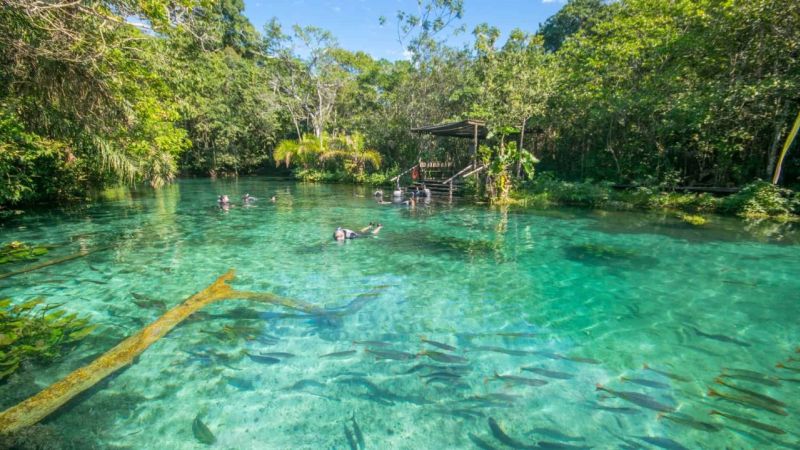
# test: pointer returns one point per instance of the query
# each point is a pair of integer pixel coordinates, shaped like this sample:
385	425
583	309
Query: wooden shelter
441	176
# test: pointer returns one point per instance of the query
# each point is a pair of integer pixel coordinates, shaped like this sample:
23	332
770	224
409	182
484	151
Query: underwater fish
341	354
390	354
440	345
157	304
263	359
94	281
441	374
451	368
520	380
376	398
750	375
748	401
447	381
549	373
639	399
373	343
350	439
501	436
306	383
749	422
783	366
502	350
278	355
646	383
579	359
669	375
617	409
546	445
480	443
241	384
720	337
690	422
202	433
763	397
665	443
443	357
357	431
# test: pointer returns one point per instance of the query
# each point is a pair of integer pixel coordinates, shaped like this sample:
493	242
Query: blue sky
355	22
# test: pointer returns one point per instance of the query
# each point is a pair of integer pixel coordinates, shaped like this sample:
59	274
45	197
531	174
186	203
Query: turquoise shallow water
593	296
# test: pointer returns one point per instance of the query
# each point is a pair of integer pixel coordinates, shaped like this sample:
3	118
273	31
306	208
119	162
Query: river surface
582	298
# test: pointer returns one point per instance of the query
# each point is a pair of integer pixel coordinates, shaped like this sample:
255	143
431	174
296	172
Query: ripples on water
578	298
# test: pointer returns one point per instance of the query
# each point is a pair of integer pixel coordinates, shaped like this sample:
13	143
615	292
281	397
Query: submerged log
36	408
52	262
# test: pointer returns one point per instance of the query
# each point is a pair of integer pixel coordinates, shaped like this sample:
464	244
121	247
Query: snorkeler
344	233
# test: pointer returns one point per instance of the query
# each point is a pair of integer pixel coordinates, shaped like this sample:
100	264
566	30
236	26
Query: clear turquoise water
624	289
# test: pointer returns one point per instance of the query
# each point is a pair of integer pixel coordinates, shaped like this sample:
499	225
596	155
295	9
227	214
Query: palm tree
352	149
305	151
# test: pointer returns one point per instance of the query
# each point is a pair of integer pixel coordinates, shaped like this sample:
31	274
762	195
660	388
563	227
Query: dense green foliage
755	201
654	94
34	331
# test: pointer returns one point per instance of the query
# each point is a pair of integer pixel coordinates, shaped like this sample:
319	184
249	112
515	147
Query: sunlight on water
566	299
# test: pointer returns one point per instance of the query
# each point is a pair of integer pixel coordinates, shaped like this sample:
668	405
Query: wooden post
475	146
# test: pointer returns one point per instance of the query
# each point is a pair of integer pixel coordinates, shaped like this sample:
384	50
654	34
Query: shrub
762	199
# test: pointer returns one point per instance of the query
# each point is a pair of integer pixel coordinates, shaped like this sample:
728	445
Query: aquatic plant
693	219
34	331
20	251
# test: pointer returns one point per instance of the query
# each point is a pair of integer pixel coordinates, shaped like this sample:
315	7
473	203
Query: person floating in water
247	198
342	234
273	199
224	202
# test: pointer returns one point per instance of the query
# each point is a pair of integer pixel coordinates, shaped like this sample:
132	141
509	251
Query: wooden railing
397	178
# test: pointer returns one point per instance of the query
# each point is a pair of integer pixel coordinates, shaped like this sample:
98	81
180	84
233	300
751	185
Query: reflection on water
457	326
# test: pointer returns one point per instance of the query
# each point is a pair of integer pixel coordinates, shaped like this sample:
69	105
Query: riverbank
758	200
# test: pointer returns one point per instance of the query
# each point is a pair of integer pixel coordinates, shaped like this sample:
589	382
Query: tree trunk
519	148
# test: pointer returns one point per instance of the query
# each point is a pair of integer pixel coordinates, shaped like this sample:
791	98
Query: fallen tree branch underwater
54	261
36	408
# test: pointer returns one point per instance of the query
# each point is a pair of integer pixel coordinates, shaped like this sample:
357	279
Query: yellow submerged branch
36	408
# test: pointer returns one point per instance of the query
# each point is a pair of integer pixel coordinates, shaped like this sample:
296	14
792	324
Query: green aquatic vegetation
693	219
20	251
35	331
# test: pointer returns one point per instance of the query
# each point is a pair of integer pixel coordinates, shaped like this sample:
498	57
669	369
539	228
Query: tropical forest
399	224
